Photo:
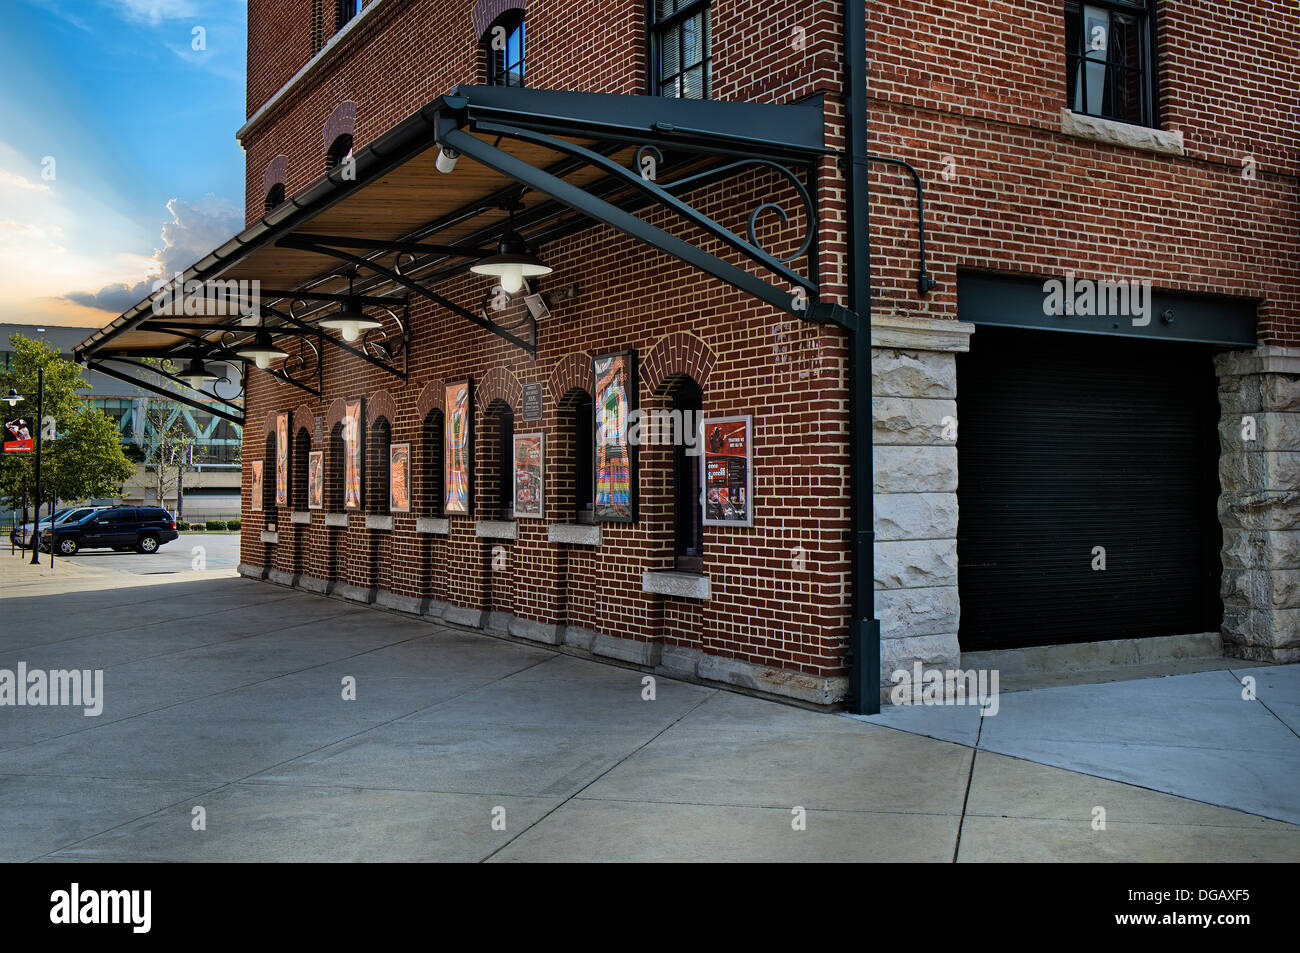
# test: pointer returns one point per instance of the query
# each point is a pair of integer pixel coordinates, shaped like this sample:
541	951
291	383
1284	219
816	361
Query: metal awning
388	226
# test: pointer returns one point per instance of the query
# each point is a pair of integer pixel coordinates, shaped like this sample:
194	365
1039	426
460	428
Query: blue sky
117	151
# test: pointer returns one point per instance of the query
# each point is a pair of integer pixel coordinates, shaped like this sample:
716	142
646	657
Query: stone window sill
336	519
269	536
1113	133
300	517
574	534
379	522
496	529
438	526
682	585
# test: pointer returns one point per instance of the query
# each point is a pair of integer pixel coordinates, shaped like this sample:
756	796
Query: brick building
1129	441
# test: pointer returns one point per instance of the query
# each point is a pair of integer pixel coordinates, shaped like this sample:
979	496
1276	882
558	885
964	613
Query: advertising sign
728	462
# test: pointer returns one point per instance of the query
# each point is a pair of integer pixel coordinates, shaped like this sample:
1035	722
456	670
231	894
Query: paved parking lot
225	699
218	551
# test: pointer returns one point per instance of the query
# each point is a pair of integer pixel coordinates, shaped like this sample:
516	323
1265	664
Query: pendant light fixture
261	351
196	373
514	260
349	320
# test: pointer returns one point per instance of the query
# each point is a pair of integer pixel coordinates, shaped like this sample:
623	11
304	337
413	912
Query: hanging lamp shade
196	373
261	351
350	322
512	263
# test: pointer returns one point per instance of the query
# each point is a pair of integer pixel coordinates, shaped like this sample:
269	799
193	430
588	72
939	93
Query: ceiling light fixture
196	374
261	351
349	320
514	260
446	162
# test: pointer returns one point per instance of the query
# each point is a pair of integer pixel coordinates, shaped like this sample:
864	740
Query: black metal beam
341	345
97	365
582	201
381	244
419	289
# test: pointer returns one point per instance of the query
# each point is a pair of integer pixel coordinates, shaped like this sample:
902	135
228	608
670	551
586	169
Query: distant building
211	490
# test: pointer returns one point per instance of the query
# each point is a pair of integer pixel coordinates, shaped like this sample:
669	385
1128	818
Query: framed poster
399	478
615	398
257	485
530	474
316	480
728	471
281	459
458	450
353	454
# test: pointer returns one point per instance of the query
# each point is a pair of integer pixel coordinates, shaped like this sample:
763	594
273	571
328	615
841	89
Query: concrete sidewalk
226	694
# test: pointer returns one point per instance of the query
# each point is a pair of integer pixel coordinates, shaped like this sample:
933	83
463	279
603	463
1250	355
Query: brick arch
432	397
335	415
277	172
572	372
268	425
485	13
342	120
304	419
381	404
498	384
677	353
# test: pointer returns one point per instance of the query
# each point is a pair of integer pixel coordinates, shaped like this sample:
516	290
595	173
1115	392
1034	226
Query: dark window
1110	59
506	462
504	43
689	399
339	150
680	56
345	10
584	421
275	197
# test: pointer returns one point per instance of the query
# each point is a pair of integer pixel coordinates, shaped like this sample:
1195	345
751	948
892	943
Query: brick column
913	387
1259	506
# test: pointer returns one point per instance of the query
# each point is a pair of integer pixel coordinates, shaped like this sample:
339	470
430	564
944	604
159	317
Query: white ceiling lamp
196	373
446	162
261	351
513	262
349	320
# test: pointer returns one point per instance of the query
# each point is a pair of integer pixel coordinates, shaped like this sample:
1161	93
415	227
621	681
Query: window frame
1145	12
344	12
511	21
656	28
687	476
584	460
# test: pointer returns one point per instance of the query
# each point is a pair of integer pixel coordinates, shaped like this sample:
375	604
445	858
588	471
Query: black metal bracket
98	365
924	283
395	275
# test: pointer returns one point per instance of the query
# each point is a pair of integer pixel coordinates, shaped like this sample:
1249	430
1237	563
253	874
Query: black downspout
864	629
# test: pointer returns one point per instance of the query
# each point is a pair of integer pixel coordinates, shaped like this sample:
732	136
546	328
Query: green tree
85	457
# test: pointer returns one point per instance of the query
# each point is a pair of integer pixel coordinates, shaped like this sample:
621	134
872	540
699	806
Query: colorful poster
281	459
257	485
352	454
18	436
615	399
458	449
530	474
399	478
316	480
728	462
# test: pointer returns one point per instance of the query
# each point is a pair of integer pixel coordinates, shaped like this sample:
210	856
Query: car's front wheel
148	544
68	546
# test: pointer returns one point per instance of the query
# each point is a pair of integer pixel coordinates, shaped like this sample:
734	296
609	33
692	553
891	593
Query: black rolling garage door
1072	441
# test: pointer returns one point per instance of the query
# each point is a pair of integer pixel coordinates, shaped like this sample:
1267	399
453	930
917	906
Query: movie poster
316	480
352	454
458	449
530	474
615	399
728	462
399	478
281	459
257	485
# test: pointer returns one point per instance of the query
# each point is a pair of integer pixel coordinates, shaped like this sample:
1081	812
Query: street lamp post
12	398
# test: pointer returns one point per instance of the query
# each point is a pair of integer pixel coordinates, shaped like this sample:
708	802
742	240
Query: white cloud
15	181
154	12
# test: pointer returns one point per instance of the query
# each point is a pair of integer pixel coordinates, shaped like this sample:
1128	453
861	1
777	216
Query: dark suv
143	529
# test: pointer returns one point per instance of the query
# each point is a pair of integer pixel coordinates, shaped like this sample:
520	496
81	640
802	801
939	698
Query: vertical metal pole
40	427
864	631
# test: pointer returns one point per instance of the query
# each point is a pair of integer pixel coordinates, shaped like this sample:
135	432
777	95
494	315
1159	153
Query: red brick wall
984	84
981	83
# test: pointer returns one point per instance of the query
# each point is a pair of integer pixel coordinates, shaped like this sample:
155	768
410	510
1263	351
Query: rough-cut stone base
391	600
353	593
627	650
548	633
816	689
1259	475
282	578
680	661
251	571
312	584
459	615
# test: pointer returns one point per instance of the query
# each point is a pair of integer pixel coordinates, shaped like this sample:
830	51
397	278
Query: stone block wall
1259	472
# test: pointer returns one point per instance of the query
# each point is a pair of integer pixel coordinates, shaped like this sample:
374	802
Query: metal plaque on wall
532	403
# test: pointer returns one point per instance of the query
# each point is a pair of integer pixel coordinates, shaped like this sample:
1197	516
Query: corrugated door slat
1071	441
